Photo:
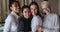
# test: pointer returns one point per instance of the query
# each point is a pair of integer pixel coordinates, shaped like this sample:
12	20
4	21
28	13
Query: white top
51	23
36	21
10	22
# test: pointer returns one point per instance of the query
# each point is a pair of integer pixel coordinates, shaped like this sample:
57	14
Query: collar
14	14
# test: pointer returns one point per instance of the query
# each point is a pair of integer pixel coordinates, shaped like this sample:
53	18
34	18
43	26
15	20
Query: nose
27	13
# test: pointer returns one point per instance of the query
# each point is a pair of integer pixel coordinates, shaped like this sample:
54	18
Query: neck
17	13
34	15
25	18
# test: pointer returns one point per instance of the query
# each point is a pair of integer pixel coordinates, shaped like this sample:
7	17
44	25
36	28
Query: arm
56	25
7	24
36	23
56	28
33	26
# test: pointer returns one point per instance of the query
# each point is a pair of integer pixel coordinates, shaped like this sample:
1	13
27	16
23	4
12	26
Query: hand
40	28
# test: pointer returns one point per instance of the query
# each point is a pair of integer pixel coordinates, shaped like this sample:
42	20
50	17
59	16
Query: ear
11	8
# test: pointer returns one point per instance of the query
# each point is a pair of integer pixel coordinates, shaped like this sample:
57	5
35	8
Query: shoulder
37	18
54	15
9	18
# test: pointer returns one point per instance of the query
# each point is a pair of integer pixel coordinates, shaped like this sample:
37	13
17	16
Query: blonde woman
51	20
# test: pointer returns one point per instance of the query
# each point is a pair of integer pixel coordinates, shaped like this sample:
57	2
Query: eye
25	11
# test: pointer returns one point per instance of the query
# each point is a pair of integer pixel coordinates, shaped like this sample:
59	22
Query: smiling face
26	13
33	9
45	6
45	9
15	7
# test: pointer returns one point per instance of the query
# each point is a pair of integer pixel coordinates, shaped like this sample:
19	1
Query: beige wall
0	7
3	9
59	7
54	5
0	10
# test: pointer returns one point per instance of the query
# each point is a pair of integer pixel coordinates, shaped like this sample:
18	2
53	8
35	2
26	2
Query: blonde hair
46	4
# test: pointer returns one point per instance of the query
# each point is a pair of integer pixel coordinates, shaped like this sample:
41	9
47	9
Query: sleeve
56	25
35	23
7	24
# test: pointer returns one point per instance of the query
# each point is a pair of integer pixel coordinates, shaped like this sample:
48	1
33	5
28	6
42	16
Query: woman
36	20
11	21
51	20
25	21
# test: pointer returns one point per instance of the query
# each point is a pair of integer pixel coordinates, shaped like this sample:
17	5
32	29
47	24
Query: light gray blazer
11	22
36	21
51	23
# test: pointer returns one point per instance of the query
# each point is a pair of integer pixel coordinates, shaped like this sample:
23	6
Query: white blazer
11	22
51	23
36	21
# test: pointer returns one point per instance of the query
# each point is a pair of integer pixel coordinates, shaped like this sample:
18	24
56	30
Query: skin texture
26	13
15	7
33	9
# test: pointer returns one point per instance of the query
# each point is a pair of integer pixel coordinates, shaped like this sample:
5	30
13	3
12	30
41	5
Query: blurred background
4	8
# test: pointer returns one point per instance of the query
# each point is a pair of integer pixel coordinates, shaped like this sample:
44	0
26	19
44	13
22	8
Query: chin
27	17
17	11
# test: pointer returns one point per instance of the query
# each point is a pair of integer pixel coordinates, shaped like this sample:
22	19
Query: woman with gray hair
51	20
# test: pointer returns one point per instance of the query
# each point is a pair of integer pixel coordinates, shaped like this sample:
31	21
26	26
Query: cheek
24	14
32	11
29	13
13	8
44	10
35	11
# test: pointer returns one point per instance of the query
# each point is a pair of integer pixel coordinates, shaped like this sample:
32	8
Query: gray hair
46	3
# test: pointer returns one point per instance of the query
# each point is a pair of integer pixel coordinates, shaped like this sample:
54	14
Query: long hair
34	3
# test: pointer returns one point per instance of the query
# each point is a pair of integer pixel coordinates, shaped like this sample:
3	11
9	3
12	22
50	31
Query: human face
45	9
33	9
26	13
15	7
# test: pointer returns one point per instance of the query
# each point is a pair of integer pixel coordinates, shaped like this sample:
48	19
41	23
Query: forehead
26	9
33	6
44	6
